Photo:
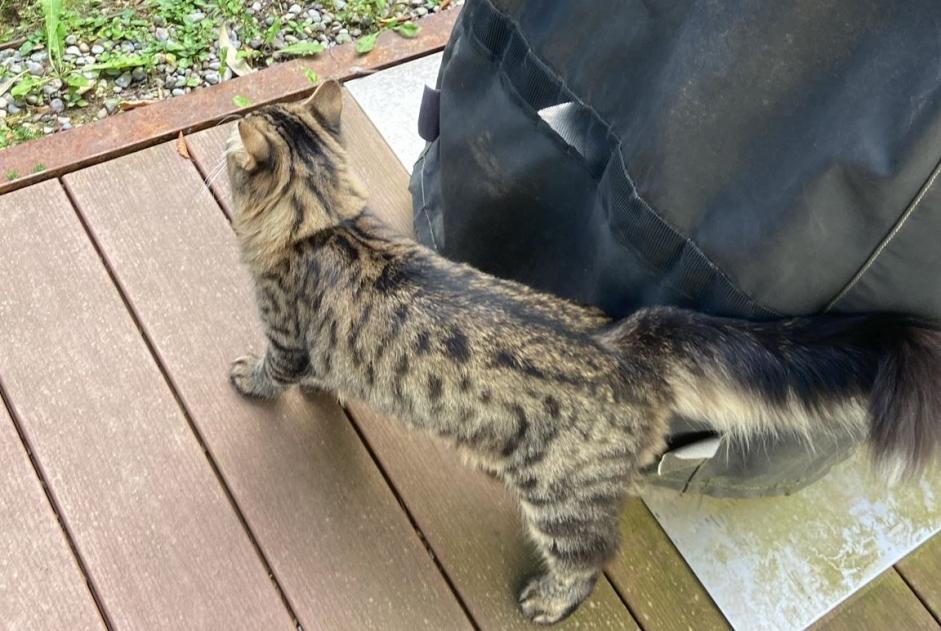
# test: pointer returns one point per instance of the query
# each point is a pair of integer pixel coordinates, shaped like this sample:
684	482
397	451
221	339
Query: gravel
53	106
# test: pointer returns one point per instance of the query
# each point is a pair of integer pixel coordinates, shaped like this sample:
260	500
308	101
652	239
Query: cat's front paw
244	375
547	600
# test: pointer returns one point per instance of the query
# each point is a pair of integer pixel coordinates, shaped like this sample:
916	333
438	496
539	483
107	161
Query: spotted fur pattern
557	400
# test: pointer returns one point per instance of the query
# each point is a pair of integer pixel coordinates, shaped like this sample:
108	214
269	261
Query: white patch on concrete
770	563
391	98
781	563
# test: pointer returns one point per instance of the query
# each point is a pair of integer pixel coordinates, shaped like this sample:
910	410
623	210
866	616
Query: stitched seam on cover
888	238
690	243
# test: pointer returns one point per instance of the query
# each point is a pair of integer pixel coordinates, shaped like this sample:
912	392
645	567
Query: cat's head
289	175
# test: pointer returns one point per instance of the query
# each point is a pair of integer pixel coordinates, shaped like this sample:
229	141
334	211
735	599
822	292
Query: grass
52	11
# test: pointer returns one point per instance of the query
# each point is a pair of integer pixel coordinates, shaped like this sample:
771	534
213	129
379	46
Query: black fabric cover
745	158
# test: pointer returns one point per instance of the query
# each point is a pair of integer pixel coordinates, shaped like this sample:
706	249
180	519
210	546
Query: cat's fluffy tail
876	375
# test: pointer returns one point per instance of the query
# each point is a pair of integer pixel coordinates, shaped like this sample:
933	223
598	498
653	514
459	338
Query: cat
556	399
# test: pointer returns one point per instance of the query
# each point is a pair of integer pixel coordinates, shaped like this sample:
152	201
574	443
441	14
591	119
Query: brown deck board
472	526
41	586
340	546
922	571
885	603
653	577
158	536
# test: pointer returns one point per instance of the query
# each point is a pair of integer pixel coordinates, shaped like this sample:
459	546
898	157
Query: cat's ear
327	102
257	147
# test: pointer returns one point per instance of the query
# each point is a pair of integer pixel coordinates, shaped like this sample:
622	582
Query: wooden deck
138	491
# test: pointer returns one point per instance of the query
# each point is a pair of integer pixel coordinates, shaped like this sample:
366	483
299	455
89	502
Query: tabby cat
560	402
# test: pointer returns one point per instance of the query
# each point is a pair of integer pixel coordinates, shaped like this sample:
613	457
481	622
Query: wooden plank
159	538
339	544
885	603
470	522
652	576
41	586
922	571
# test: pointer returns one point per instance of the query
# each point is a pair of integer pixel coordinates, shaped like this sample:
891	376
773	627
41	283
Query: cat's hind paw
244	376
547	600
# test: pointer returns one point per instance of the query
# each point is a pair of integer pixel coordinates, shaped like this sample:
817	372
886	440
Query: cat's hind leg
574	524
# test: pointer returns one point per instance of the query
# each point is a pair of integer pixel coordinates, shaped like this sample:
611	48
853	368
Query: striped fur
554	398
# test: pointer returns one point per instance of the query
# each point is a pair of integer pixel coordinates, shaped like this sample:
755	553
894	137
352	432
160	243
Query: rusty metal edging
89	144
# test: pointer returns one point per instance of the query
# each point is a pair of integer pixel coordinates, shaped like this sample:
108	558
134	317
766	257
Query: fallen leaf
408	30
127	106
444	4
181	147
311	76
241	101
232	60
366	43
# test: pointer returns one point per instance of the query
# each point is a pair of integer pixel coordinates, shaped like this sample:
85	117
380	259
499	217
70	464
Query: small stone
343	38
421	12
49	89
39	56
296	8
159	21
32	99
197	16
314	15
162	34
3	103
256	43
123	81
97	49
73	51
178	92
117	89
214	65
66	126
256	7
57	106
418	3
111	105
212	77
180	82
3	114
269	20
339	5
355	32
16	68
227	74
102	113
35	68
48	130
71	40
12	108
64	120
291	39
138	74
83	47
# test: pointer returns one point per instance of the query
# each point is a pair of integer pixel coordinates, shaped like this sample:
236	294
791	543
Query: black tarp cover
748	158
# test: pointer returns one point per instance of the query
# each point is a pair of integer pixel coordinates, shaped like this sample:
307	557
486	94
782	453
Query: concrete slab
392	98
